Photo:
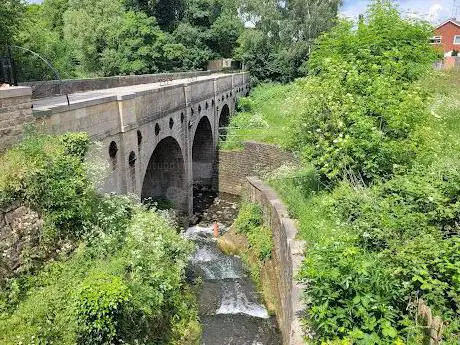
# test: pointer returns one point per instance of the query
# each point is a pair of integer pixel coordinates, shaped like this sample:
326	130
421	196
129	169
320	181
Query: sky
435	11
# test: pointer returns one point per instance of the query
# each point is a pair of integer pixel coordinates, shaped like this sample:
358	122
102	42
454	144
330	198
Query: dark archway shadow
224	122
164	181
203	154
203	166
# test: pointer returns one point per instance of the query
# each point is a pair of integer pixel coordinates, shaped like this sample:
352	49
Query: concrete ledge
289	253
15	91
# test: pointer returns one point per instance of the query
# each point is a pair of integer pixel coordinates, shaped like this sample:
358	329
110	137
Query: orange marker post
216	230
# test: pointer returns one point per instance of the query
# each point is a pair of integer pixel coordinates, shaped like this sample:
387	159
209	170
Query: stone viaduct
159	138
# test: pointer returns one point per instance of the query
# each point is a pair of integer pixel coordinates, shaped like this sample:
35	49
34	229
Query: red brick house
447	37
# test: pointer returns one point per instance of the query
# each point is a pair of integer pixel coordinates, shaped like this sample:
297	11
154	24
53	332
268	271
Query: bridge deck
49	103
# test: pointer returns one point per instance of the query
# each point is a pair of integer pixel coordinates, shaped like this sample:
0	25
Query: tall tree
168	13
288	30
10	13
88	26
39	35
135	47
53	11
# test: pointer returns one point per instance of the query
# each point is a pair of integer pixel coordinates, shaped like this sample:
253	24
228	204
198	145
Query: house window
457	39
436	40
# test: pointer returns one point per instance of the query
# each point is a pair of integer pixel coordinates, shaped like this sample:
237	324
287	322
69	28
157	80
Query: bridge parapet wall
58	87
224	84
98	117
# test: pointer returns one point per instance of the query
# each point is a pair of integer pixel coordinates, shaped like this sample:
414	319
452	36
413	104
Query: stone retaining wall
20	232
57	87
15	112
288	253
254	160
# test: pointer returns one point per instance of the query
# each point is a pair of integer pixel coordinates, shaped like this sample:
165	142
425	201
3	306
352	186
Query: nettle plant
363	106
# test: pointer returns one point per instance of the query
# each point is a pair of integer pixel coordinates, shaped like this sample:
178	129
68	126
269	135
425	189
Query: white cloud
434	12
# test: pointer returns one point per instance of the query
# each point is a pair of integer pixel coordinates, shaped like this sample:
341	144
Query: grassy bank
375	252
262	117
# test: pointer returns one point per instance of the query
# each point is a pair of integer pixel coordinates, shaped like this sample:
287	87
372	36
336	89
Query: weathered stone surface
20	230
181	117
287	259
15	112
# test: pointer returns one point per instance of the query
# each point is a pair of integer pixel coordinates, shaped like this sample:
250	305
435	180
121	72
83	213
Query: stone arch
203	154
165	177
224	121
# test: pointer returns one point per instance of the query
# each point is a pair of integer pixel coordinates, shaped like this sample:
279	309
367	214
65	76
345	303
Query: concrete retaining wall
255	159
56	87
15	112
287	257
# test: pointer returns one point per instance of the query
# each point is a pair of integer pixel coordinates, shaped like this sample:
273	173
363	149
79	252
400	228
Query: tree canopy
89	38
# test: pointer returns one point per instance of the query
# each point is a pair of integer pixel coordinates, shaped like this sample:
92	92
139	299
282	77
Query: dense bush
361	108
122	281
108	291
249	218
48	173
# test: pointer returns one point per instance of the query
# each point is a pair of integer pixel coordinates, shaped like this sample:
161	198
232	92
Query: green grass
263	117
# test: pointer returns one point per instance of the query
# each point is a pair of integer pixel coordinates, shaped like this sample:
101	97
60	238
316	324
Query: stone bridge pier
159	139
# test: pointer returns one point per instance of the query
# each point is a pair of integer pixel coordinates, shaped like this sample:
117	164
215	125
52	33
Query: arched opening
203	165
165	176
113	149
224	122
139	138
203	154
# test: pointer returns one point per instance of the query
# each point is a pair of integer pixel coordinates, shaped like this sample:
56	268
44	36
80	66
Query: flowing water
231	310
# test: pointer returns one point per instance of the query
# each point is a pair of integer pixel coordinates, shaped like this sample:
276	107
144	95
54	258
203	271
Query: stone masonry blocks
15	112
287	260
254	160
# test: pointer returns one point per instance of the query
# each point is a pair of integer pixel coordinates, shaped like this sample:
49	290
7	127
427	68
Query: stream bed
231	310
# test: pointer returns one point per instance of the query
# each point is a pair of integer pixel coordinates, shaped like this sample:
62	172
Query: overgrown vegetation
253	242
121	279
249	223
377	196
284	34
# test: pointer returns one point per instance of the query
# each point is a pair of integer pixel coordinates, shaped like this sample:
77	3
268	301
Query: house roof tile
451	20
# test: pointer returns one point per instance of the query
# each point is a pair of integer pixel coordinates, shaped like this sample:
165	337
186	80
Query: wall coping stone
291	330
15	91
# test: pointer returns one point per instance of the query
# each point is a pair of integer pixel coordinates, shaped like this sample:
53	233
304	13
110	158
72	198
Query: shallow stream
231	310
